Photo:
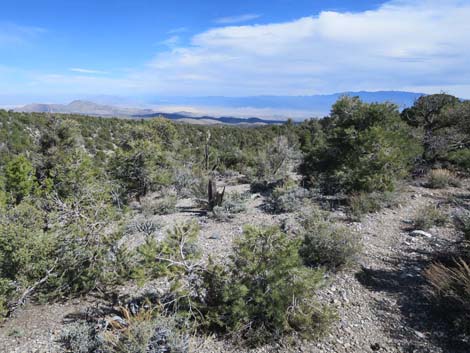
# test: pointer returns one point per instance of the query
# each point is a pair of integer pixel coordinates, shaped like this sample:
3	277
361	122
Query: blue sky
54	48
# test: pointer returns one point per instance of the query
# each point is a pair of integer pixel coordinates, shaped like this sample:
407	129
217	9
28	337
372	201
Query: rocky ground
381	303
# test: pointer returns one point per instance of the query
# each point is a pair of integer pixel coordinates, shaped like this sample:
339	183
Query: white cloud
13	34
237	19
87	71
171	42
177	30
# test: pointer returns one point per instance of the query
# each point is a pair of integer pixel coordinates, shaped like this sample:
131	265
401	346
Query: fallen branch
21	301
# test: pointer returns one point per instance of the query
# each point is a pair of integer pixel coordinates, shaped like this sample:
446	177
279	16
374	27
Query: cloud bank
401	45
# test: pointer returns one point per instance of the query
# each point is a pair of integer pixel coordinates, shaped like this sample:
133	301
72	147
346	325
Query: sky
51	48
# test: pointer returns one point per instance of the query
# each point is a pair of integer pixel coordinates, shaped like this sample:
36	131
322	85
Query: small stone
420	334
421	233
375	347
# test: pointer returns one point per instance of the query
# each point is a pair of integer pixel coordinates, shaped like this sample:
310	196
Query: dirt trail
382	305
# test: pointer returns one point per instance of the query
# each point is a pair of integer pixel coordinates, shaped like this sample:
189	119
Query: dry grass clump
441	178
428	217
450	286
362	203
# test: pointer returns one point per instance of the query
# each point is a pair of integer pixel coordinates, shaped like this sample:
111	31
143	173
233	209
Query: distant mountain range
319	105
84	107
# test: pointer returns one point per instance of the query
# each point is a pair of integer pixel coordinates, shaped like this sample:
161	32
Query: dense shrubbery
64	184
366	148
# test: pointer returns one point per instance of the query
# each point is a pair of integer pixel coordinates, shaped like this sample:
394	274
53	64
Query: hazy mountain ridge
83	107
319	105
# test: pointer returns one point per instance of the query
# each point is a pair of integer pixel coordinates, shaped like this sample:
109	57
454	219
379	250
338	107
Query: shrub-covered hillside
179	236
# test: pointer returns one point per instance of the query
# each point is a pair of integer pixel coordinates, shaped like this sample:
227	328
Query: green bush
327	244
165	257
264	292
442	124
20	179
274	161
461	158
27	253
141	168
366	148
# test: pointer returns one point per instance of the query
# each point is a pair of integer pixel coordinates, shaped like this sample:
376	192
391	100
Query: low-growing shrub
264	292
199	187
327	244
145	331
80	337
428	217
166	204
142	225
233	204
441	178
363	203
288	199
